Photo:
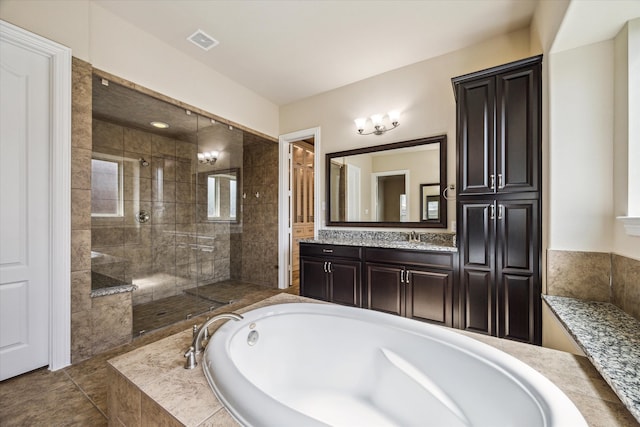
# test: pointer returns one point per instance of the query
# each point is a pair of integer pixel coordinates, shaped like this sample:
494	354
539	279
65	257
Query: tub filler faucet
198	334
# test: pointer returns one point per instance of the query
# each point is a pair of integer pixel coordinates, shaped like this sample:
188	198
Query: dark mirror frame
440	223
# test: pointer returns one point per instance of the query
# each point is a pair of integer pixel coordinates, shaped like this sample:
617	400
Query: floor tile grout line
86	395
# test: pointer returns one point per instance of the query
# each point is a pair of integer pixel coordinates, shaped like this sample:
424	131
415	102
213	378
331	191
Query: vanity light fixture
378	126
208	157
159	125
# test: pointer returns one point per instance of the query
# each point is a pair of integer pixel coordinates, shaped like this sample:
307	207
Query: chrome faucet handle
190	363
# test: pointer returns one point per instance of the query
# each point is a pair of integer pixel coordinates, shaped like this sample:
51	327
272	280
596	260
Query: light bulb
376	119
394	116
360	122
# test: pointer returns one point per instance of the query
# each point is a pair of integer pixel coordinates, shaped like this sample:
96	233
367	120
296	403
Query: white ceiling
290	50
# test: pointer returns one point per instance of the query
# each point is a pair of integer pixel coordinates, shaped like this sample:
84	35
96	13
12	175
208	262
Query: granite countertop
375	243
102	285
610	338
153	378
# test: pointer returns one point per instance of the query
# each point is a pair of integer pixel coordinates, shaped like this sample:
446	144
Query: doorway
391	201
298	210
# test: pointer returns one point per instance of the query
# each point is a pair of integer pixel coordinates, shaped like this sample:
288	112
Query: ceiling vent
203	40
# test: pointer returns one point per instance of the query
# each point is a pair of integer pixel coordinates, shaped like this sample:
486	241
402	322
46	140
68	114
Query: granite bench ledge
610	338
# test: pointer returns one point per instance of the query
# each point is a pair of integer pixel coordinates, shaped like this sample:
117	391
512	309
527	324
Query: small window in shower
106	187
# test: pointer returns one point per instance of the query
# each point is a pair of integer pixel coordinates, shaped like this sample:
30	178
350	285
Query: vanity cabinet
331	273
413	284
498	129
498	201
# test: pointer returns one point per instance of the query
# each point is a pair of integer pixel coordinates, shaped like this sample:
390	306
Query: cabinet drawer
442	260
315	249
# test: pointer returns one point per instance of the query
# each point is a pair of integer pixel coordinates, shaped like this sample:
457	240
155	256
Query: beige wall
422	92
111	44
626	179
581	149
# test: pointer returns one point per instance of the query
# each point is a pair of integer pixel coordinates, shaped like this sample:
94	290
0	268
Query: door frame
374	189
59	188
284	208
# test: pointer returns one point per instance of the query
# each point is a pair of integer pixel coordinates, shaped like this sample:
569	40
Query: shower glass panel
217	213
150	222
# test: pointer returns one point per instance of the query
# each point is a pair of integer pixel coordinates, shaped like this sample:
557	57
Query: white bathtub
322	364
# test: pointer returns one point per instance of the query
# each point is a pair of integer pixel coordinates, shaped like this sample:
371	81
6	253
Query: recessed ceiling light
159	125
203	40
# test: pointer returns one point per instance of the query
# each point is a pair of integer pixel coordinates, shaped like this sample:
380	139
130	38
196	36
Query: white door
25	129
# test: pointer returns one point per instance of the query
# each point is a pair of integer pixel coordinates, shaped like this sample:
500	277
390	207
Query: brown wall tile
81	336
112	321
124	400
81	168
625	278
80	291
584	275
81	104
80	250
80	209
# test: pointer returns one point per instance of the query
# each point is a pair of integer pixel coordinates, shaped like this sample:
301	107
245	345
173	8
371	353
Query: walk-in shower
171	199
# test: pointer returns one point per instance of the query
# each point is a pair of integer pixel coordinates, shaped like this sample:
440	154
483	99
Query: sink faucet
196	344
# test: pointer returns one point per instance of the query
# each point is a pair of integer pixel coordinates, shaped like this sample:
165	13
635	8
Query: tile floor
77	395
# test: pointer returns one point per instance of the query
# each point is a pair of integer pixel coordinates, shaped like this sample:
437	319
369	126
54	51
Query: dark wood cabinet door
476	137
344	283
518	270
384	288
518	151
478	291
313	279
429	296
477	266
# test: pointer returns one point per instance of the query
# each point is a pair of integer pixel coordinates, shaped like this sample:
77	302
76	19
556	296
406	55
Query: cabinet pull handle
329	267
327	251
324	266
407	277
500	183
500	211
401	276
492	182
493	212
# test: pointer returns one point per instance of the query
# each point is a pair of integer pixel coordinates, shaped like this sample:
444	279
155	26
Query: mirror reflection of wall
430	202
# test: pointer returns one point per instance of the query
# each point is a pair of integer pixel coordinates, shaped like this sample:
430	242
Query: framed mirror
392	185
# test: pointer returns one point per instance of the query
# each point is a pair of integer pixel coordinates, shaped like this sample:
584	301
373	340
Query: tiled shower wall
595	276
97	324
259	241
171	252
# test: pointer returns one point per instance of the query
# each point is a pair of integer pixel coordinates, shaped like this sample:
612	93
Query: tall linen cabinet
499	200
